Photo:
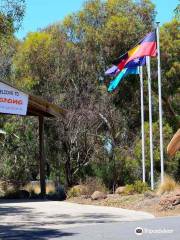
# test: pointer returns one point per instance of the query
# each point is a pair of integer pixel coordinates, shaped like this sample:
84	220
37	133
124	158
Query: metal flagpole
150	121
160	105
142	124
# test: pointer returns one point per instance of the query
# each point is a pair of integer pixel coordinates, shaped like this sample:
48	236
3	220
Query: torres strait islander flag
146	47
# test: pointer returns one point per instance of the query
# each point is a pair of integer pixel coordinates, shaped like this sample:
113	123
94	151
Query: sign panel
12	101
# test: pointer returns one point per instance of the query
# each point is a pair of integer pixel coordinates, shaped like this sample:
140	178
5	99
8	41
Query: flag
146	47
131	68
126	71
114	70
136	62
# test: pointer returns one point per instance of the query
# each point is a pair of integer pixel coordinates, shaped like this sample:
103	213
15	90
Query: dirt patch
139	202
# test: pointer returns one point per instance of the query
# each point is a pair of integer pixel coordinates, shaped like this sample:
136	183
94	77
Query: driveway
51	219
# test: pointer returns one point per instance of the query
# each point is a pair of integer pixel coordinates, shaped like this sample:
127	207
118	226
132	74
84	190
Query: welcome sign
12	101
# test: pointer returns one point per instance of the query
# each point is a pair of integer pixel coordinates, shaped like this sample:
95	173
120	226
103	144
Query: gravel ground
137	202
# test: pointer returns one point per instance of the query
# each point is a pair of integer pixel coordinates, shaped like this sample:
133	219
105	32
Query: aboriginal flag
146	47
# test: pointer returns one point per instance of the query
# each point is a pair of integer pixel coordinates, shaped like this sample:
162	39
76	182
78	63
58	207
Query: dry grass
94	184
31	187
34	187
136	202
169	185
88	187
77	191
6	186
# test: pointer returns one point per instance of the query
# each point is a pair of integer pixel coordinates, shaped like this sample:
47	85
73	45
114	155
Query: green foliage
16	194
170	45
171	165
64	63
140	187
129	189
120	169
32	64
19	150
137	187
177	12
11	14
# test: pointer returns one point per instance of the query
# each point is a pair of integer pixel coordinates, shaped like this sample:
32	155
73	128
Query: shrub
34	187
94	184
168	185
137	187
140	187
50	187
88	187
59	195
129	189
16	194
75	191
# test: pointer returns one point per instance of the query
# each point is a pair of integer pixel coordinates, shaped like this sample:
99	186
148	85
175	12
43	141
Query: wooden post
42	156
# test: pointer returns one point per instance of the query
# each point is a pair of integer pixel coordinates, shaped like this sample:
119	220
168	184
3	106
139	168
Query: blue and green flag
126	71
131	68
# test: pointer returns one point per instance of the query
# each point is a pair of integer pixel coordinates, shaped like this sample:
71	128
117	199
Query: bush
168	185
94	184
59	195
75	191
121	169
16	194
171	164
88	187
140	187
34	187
137	187
129	189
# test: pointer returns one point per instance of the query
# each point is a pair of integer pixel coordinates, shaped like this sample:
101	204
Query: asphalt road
167	228
63	220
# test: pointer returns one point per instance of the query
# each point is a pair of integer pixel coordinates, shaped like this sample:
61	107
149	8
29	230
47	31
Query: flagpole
142	124
160	105
150	122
